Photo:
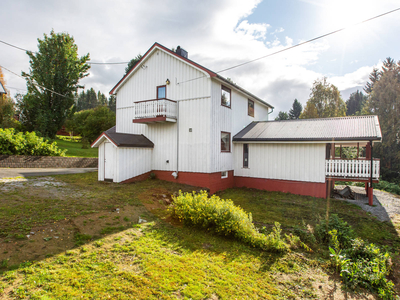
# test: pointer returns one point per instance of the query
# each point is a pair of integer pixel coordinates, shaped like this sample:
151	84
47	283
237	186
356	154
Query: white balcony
352	169
158	110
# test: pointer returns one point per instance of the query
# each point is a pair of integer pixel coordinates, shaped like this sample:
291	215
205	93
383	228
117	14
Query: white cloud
215	33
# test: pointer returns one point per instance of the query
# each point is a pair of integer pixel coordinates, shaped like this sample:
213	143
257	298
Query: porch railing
352	168
155	108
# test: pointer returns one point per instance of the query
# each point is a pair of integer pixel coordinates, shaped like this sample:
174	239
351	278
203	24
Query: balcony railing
158	108
357	168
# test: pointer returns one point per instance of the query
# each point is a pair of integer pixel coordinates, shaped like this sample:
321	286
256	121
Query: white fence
155	108
352	168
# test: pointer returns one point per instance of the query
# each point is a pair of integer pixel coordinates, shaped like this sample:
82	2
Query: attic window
162	92
225	96
250	108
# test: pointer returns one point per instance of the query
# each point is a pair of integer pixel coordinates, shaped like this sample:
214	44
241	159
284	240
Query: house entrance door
108	161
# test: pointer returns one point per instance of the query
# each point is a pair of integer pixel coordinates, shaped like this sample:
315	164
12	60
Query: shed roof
358	128
191	62
2	89
123	139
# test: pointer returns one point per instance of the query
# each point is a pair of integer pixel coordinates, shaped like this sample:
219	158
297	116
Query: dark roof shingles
345	128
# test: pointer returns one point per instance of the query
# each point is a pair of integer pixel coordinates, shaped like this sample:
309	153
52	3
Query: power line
35	84
309	41
90	63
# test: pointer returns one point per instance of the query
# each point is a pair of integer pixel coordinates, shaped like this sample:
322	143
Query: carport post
370	189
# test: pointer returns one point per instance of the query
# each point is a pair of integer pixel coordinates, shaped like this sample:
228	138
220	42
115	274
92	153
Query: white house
187	124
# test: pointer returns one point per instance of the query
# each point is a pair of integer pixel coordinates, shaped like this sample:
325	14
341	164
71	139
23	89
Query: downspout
176	173
272	110
370	193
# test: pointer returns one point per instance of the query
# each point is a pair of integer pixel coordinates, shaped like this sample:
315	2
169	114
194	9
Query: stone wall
22	161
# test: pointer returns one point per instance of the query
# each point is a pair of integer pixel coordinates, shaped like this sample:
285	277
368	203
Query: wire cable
309	41
35	84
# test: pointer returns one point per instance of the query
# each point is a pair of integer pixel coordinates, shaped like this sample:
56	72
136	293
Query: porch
155	111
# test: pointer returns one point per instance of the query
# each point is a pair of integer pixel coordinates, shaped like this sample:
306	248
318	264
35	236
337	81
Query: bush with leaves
223	217
28	143
91	123
345	233
360	264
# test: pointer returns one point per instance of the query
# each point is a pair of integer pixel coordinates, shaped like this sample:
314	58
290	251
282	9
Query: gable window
225	96
245	155
225	141
250	108
162	92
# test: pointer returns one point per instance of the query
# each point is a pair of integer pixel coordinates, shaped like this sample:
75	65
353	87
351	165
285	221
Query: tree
55	71
7	109
91	123
355	103
295	111
282	115
132	63
384	101
112	103
324	102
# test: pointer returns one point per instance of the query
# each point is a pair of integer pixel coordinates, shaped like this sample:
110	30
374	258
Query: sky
217	34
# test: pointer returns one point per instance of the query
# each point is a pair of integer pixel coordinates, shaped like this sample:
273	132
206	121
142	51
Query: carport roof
123	139
357	128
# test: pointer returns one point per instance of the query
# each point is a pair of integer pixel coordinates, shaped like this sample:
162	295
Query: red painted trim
108	138
209	72
148	120
366	180
160	86
314	189
155	100
226	89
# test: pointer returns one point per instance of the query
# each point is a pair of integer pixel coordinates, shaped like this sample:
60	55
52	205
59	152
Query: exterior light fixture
167	82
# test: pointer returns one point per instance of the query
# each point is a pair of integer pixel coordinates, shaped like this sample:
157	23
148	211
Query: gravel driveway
386	206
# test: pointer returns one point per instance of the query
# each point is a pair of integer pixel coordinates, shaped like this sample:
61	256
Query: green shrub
28	143
75	139
345	233
367	266
224	218
387	186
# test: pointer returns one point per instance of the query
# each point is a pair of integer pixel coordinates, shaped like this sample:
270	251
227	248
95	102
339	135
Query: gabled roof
358	128
123	139
196	65
2	89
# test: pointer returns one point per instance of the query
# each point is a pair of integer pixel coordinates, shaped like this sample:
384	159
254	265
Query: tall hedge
28	143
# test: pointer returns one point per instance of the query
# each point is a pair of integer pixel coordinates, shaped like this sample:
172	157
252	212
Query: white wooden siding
100	171
132	162
159	67
230	120
298	162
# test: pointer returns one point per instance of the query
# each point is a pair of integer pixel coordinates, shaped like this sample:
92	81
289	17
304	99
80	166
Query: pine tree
355	103
282	115
295	111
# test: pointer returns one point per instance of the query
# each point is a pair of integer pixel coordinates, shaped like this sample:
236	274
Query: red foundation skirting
140	177
212	181
215	183
313	189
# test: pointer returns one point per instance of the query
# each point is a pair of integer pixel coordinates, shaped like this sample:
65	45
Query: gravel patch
386	205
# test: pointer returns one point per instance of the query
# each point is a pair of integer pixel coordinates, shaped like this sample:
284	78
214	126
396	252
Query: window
225	96
224	174
250	108
245	155
225	142
161	92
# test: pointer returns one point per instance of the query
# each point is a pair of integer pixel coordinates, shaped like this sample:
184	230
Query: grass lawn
85	242
74	149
